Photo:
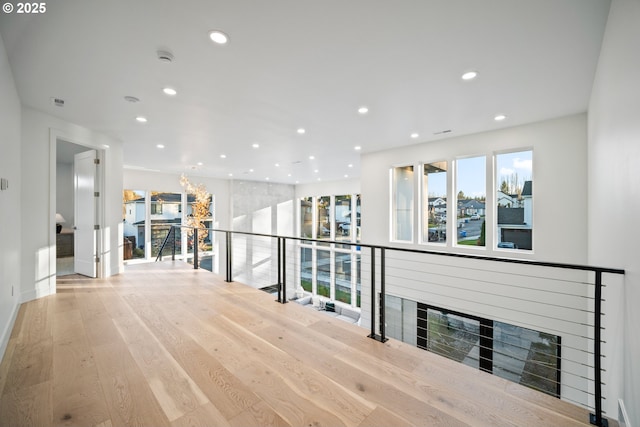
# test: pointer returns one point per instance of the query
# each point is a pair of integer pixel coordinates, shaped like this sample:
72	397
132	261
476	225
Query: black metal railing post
596	418
195	248
279	272
173	249
373	293
229	251
383	321
284	270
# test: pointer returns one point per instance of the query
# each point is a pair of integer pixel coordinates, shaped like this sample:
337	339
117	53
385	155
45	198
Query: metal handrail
596	418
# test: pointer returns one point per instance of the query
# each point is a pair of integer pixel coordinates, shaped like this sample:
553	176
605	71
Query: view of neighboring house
515	219
468	207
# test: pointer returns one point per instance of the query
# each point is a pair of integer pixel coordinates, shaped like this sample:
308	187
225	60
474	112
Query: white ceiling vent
165	56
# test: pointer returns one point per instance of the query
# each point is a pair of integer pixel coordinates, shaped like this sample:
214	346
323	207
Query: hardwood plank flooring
166	345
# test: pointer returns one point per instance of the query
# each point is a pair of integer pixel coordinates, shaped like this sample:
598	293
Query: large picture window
402	178
514	199
434	202
471	192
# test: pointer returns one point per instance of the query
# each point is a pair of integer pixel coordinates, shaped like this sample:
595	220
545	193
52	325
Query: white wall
329	188
614	158
37	205
10	211
559	190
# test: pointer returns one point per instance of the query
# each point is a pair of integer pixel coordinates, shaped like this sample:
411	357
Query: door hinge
96	227
96	194
96	161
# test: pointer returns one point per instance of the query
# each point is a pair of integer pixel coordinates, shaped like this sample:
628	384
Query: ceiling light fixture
414	135
223	156
470	75
363	110
256	145
218	37
301	131
350	165
250	170
170	91
141	119
200	163
499	117
357	148
161	146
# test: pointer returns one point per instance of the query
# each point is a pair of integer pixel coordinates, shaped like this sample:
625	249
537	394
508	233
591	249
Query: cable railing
536	323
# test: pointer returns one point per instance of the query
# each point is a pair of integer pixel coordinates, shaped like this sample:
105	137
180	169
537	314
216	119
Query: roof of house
510	215
527	190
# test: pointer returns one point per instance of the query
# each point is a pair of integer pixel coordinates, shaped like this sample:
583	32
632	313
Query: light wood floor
164	345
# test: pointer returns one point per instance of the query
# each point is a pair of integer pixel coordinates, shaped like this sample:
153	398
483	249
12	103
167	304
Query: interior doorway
69	216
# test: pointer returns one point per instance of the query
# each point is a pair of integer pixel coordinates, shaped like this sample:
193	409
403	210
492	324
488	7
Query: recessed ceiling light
218	37
357	148
200	163
499	117
350	165
289	175
230	174
256	145
312	157
277	165
363	110
346	176
141	119
223	156
160	146
470	75
170	91
316	171
414	135
301	131
250	170
267	178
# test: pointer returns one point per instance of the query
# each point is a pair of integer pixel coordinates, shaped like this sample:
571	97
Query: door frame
54	136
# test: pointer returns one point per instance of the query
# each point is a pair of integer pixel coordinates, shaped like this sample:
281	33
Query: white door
85	213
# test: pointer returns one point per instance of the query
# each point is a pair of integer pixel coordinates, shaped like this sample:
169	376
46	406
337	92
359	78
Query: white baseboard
623	417
6	332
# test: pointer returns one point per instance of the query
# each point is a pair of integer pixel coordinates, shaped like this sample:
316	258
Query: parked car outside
475	217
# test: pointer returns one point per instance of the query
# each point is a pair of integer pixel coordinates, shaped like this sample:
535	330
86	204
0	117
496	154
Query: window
470	201
306	217
514	198
323	218
163	215
134	221
402	212
306	269
434	202
342	219
524	356
323	272
331	270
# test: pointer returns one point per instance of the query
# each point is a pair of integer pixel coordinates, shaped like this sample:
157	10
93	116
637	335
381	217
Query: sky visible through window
508	166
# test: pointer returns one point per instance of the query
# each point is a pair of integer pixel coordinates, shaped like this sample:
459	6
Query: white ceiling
301	63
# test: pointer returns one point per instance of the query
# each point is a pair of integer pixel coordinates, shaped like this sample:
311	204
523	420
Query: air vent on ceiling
131	99
165	56
442	131
58	102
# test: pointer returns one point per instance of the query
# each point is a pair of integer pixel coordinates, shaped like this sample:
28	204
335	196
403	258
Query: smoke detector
165	56
58	102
